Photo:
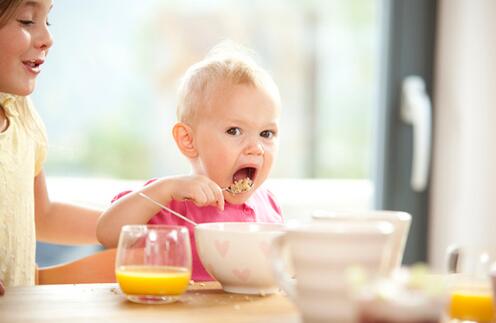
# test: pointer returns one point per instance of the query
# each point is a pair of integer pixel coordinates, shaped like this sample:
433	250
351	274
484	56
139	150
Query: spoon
240	186
179	215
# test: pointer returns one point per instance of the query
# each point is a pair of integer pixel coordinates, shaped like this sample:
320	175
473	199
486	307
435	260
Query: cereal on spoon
240	186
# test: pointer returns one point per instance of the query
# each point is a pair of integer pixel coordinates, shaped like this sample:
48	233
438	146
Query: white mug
400	220
321	256
470	260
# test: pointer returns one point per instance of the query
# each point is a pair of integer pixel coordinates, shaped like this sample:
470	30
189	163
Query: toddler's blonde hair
227	63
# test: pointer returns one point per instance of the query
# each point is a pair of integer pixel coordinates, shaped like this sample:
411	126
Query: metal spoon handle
167	209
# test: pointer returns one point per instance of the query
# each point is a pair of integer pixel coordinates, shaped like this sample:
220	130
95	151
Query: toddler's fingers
208	194
200	198
217	195
194	194
2	288
213	197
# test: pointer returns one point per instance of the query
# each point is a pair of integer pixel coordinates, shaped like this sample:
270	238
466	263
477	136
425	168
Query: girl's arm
62	223
134	209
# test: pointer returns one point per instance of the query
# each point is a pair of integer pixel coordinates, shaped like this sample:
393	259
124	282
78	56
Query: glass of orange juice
153	263
471	297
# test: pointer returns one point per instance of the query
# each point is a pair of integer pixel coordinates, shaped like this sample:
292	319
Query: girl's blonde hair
7	9
225	63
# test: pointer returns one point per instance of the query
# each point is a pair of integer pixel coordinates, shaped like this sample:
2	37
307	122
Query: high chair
96	268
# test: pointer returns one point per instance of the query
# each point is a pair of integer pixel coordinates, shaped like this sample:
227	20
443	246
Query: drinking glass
153	263
471	294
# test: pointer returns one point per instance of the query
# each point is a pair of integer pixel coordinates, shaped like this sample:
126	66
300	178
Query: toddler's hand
2	288
199	189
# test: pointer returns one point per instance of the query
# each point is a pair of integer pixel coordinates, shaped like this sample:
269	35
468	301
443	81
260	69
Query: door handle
416	110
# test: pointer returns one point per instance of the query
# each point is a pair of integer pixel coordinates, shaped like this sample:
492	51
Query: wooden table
204	302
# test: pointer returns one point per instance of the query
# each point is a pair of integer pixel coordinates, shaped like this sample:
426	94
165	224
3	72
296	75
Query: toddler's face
236	137
24	44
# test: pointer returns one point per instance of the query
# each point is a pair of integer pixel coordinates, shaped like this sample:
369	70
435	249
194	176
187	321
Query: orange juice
153	280
473	305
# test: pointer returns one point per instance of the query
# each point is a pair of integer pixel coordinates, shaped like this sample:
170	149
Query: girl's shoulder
21	109
31	132
15	105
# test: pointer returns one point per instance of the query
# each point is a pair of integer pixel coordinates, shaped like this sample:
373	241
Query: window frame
407	49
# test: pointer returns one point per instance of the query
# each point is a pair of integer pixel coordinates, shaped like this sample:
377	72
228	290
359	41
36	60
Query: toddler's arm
134	209
60	222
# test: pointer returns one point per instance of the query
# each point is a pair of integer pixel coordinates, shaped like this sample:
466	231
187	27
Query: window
108	89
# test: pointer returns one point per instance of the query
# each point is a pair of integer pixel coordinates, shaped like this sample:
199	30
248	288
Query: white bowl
237	254
400	220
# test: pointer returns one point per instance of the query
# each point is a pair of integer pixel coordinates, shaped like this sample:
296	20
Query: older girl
26	212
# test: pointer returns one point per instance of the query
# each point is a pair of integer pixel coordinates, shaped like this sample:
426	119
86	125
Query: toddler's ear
183	135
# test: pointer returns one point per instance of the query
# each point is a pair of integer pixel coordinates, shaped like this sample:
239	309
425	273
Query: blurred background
351	136
108	91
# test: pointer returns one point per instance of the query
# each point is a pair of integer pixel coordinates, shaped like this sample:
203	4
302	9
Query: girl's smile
25	41
34	65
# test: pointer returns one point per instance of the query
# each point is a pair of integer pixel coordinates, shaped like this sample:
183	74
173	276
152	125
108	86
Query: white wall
463	194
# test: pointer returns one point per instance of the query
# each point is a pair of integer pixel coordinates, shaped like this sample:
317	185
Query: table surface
204	302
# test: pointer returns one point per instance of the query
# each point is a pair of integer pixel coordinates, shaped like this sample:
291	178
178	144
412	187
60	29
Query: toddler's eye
234	131
267	134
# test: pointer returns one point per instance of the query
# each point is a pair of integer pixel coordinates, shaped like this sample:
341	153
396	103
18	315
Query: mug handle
279	267
453	259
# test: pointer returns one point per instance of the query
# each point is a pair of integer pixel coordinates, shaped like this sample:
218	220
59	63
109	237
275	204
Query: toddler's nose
255	149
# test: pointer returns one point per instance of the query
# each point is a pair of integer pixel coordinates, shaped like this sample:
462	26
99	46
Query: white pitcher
322	255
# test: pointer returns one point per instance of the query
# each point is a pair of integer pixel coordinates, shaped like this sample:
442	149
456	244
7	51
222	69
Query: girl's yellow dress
23	148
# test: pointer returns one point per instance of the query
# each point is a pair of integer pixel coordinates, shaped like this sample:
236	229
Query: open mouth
243	180
33	65
245	172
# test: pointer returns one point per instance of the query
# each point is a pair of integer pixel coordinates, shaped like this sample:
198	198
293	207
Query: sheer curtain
463	188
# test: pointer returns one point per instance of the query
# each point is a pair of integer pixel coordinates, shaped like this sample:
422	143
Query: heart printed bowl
237	254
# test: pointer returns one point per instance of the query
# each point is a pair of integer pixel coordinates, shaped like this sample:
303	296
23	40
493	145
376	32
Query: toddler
228	119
